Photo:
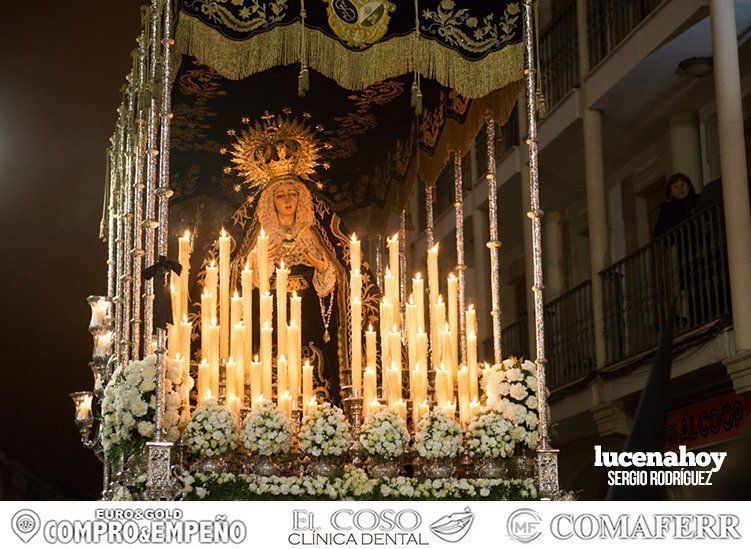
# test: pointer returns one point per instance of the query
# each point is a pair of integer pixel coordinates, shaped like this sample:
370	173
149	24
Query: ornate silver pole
460	266
403	262
379	261
150	223
111	224
119	240
159	484
138	191
547	456
128	217
494	244
429	215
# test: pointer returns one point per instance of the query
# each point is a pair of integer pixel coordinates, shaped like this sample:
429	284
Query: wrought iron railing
687	265
570	336
610	21
515	338
559	56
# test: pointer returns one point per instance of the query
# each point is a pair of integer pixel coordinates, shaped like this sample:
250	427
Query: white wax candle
370	347
307	382
356	365
231	378
473	371
453	310
246	279
204	381
211	284
354	253
282	376
214	355
224	289
418	294
266	361
184	260
174	292
256	381
281	307
263	261
293	363
369	386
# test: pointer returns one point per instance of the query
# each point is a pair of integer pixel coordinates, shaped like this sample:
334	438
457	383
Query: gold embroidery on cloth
359	23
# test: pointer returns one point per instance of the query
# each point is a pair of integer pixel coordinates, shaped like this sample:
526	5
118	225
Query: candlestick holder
84	419
353	412
101	314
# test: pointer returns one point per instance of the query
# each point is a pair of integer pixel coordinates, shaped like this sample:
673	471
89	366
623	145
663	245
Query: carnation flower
384	435
438	436
325	432
267	431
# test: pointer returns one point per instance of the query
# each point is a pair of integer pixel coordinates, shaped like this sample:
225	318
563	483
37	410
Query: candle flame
213	321
281	357
247	263
354	237
370	327
281	265
452	276
255	358
223	233
230	359
418	276
212	265
263	233
434	249
236	295
471	307
204	362
185	319
186	234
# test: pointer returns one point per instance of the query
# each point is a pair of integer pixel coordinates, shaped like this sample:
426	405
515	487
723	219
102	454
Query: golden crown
276	147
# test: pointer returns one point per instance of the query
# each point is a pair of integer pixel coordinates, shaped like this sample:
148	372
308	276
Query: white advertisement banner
383	524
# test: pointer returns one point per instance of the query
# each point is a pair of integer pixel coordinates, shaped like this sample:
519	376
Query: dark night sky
61	68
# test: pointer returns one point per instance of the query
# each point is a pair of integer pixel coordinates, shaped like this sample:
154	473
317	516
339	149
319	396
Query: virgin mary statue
277	158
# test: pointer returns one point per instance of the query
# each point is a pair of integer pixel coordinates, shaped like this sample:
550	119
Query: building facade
633	91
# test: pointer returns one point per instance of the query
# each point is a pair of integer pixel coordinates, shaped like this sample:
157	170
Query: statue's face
285	199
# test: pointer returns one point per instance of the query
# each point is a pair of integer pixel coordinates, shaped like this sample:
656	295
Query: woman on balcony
681	198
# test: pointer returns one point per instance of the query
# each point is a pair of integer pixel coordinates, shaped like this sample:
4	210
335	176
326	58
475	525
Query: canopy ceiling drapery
240	58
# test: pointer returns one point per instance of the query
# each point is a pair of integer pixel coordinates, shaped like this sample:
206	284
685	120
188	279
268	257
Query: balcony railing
559	56
570	336
515	338
687	265
610	21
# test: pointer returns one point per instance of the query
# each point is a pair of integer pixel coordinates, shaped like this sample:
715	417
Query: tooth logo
25	523
452	528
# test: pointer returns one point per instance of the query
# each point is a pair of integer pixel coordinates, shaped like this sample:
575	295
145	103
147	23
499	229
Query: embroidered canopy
241	58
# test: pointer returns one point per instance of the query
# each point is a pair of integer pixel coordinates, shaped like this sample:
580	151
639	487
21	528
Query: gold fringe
237	59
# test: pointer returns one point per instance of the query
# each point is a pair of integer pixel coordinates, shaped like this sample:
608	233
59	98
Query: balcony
569	332
559	56
609	22
687	265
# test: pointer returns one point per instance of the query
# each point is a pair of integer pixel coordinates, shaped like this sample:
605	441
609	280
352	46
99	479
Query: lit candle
282	376
410	314
394	383
441	384
393	246
447	358
422	349
205	322
173	340
285	404
184	260
474	408
375	406
433	281
418	294
295	316
386	323
448	409
370	347
185	330
256	381
204	380
174	292
354	253
238	352
266	361
420	411
236	310
231	378
307	382
211	284
310	406
437	322
400	407
453	310
356	365
246	279
103	344
473	370
395	348
224	288
293	363
369	386
281	307
263	262
83	409
233	403
214	355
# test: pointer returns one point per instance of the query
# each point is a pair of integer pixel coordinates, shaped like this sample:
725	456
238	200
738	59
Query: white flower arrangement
212	430
438	436
384	435
490	435
267	431
325	432
355	483
129	405
511	389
